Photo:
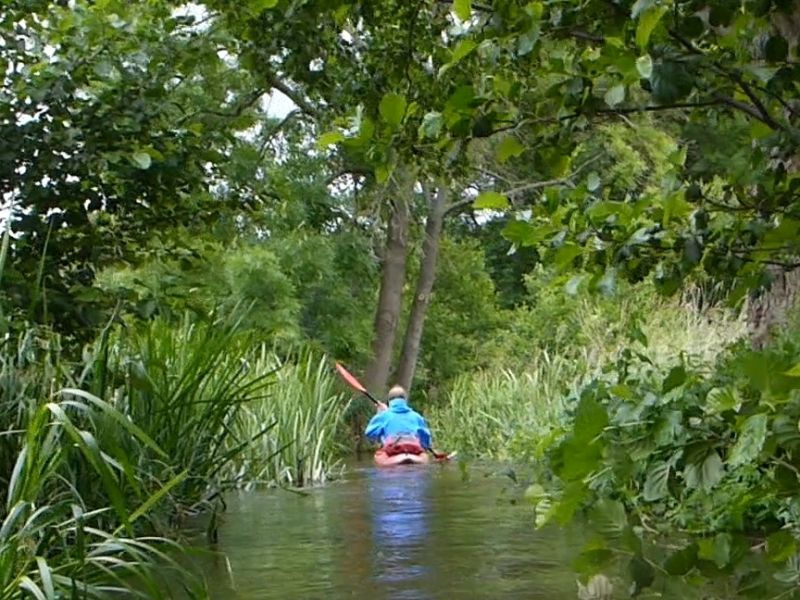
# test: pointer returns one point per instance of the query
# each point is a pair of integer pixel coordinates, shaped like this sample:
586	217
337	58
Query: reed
304	446
57	542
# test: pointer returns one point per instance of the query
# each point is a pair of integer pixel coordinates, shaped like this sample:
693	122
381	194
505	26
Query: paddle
356	385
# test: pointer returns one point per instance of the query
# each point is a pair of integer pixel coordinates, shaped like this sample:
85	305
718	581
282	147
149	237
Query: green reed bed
304	402
101	454
487	412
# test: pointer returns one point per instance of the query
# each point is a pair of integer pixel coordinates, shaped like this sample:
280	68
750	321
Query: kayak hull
404	458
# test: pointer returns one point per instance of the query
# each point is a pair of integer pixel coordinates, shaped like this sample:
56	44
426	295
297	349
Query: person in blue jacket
395	425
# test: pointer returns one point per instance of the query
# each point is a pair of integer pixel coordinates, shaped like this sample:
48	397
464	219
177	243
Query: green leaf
720	400
491	200
566	254
647	23
669	428
259	6
508	147
590	420
463	9
141	160
383	172
462	49
615	95
656	484
781	545
644	65
681	562
794	371
716	549
329	138
593	181
642	573
393	108
527	40
609	517
431	125
641	6
776	49
674	378
705	475
749	441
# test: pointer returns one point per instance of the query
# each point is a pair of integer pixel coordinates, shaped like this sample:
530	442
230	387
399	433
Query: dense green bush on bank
507	409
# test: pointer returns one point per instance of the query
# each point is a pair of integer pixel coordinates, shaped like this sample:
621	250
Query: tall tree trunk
772	308
437	207
390	299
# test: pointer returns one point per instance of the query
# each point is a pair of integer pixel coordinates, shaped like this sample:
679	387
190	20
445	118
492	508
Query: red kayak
405	451
382	459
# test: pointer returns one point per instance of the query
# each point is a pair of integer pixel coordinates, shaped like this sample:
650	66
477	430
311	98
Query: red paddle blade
348	377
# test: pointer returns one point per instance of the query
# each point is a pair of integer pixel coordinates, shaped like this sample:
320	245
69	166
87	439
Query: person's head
397	392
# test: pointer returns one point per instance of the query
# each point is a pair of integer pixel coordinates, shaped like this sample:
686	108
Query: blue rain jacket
399	420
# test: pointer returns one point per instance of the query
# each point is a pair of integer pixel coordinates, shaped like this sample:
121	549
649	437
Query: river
404	533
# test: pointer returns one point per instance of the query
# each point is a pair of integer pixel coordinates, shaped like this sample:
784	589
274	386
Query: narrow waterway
401	533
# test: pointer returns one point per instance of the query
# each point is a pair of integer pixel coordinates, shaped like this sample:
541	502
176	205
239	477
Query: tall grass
489	413
186	386
304	447
500	413
54	541
150	423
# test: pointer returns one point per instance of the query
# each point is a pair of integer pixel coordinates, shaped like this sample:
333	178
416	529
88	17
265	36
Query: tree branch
294	96
560	181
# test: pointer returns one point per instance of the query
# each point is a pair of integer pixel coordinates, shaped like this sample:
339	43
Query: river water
402	533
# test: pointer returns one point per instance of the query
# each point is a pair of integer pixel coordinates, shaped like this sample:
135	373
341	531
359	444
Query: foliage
696	449
72	504
545	352
496	414
188	412
305	447
461	316
114	113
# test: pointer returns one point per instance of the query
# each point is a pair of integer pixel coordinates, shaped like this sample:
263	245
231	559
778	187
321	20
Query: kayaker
398	427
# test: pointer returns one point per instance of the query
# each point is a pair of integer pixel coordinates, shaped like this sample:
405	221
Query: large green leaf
681	561
656	484
750	440
463	9
393	108
610	518
677	376
508	147
491	200
706	474
647	23
781	545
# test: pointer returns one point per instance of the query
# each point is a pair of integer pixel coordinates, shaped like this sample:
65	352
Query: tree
114	117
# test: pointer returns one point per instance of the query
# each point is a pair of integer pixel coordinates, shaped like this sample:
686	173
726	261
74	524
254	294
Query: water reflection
406	533
400	509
